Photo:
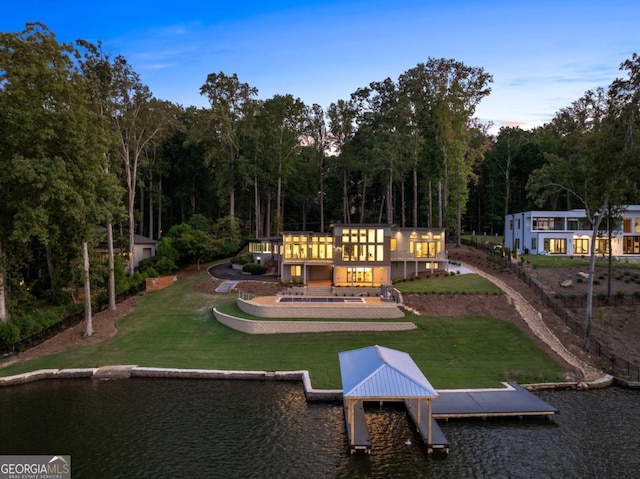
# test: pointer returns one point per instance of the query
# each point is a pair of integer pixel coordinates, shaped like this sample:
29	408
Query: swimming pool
319	299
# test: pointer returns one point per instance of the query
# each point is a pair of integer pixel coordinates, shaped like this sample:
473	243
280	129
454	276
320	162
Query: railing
559	304
246	296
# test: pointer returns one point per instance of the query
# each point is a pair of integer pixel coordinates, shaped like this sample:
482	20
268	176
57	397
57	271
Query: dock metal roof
379	372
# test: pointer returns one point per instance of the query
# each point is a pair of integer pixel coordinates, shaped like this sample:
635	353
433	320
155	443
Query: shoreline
311	394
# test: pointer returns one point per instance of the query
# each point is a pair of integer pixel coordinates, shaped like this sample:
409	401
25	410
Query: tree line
85	143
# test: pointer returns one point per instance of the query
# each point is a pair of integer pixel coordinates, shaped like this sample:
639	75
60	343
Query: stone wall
283	327
320	310
156	284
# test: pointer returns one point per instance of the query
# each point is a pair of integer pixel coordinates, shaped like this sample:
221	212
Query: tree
283	120
227	97
96	69
342	116
592	163
137	120
53	153
319	139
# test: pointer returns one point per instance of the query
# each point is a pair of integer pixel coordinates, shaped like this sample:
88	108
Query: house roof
139	239
379	372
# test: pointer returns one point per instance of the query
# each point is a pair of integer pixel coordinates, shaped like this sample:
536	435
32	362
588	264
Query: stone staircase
319	291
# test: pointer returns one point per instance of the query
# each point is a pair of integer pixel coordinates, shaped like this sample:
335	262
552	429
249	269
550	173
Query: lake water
170	428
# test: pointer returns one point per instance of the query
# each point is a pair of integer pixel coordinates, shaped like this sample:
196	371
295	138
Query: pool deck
370	301
368	307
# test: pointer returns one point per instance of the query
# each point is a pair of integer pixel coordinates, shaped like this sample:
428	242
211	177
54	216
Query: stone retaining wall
123	372
282	327
130	371
156	284
320	310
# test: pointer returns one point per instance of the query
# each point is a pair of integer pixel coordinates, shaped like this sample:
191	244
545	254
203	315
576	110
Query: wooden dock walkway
438	440
361	441
511	401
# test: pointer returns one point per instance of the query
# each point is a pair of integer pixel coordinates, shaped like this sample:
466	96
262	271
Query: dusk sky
542	54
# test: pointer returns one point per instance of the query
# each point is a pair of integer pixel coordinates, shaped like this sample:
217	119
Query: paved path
226	286
533	318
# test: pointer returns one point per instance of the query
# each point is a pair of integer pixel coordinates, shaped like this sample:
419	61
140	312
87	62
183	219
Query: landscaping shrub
254	268
243	259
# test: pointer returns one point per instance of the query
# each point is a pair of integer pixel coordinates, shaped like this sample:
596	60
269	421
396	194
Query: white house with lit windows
570	232
356	254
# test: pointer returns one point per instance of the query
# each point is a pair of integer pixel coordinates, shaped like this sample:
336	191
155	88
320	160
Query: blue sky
542	54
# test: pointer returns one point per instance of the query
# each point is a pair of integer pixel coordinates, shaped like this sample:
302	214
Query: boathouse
381	374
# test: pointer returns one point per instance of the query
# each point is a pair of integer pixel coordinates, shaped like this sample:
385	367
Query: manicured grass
453	284
553	261
175	328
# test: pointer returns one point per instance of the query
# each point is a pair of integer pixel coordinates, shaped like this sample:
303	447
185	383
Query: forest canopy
84	143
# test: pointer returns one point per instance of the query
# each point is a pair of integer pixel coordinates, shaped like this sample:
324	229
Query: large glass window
580	246
363	244
359	275
295	246
426	249
555	245
321	247
631	245
548	223
602	246
626	225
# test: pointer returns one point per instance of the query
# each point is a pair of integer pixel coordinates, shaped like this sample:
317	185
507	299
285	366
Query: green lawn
554	261
452	284
175	328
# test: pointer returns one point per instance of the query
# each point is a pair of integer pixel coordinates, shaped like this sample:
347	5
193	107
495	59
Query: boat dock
510	401
382	375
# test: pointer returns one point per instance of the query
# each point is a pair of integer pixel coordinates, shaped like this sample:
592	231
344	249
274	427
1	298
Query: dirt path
104	326
534	321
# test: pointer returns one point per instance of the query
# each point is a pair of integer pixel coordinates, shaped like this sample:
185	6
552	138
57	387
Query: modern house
354	254
570	233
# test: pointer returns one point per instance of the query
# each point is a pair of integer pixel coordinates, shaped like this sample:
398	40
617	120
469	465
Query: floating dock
513	400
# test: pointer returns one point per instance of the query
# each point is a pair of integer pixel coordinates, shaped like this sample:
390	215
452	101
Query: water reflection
245	429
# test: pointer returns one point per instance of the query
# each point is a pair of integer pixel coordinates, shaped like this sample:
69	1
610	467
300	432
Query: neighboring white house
570	232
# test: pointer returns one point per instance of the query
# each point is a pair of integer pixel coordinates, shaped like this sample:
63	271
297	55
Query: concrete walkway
226	286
